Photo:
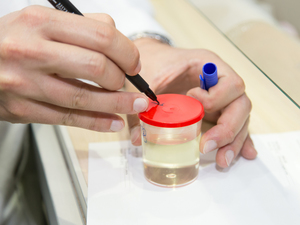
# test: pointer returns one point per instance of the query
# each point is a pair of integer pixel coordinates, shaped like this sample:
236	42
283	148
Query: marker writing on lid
210	76
137	80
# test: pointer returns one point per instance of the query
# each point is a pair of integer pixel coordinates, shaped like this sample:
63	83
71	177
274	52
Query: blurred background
266	31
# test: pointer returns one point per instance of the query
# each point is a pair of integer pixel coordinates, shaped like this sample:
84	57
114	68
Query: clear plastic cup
171	135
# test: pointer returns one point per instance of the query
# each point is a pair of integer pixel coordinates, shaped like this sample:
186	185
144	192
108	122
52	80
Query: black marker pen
137	80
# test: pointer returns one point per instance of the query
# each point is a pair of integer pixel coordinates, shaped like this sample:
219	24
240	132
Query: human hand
43	54
174	70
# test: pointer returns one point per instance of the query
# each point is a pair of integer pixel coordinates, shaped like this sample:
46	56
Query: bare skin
44	51
174	70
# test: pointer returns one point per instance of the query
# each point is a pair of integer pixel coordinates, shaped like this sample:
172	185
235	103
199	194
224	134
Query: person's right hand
42	53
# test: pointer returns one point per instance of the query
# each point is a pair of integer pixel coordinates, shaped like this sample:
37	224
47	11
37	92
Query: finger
228	88
28	111
201	95
103	17
74	62
248	151
228	125
75	94
94	35
228	153
134	129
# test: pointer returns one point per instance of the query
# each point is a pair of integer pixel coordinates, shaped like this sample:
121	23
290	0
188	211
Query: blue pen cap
210	75
202	82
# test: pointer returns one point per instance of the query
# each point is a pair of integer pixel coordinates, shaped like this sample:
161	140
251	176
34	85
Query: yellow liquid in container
171	165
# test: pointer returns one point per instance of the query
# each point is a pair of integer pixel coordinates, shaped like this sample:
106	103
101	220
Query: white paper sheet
264	191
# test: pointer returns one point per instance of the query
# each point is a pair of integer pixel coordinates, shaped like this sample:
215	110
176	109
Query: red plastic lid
175	110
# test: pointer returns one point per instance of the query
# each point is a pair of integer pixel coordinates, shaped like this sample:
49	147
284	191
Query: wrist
149	46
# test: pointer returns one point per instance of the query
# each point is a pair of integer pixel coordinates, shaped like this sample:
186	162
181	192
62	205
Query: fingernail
209	146
116	125
229	157
138	68
134	134
140	105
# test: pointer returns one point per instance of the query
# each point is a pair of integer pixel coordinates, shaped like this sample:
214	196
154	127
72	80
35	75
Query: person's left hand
173	70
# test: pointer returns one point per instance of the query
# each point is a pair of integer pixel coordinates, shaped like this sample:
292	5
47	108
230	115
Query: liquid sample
171	165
